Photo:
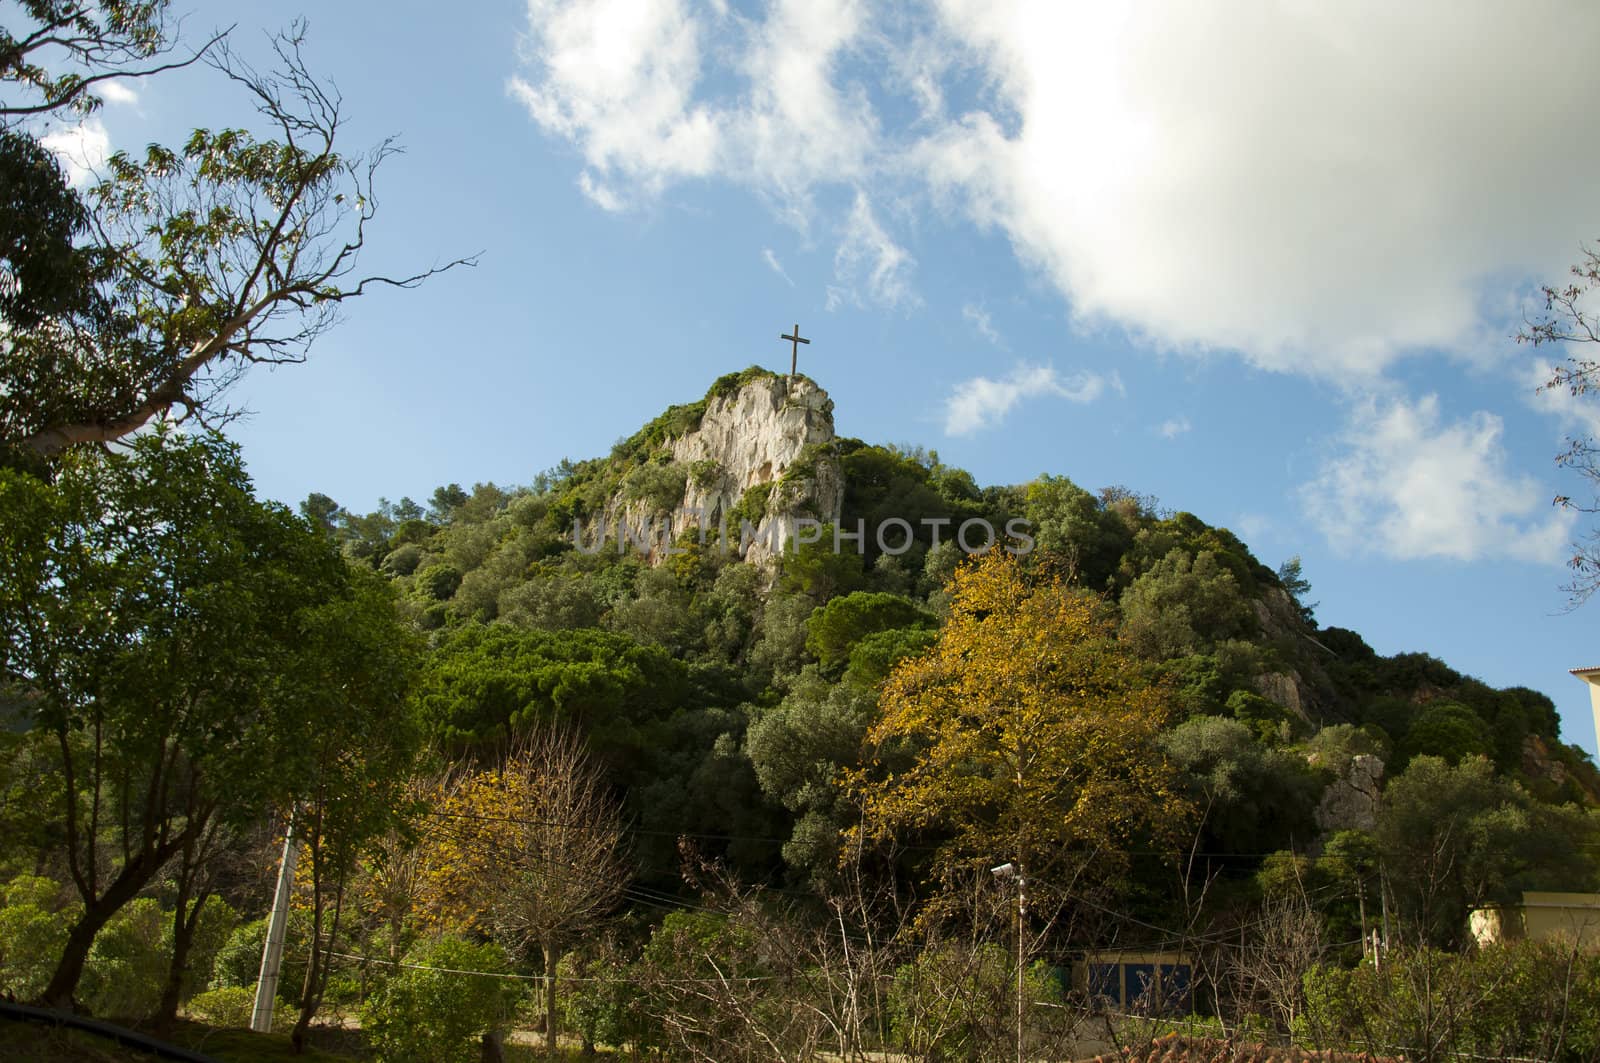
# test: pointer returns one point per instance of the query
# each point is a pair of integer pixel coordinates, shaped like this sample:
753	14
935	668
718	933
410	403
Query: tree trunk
550	958
491	1050
182	941
68	972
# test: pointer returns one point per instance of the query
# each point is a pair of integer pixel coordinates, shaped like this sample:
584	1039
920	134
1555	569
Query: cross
795	341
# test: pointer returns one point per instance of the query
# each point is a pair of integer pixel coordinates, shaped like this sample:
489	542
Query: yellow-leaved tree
1025	735
530	852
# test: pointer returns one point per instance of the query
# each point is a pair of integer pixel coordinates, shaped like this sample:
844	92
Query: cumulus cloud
1321	188
1408	484
984	402
656	91
869	267
82	149
116	92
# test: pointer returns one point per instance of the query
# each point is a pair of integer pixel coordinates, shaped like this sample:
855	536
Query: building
1540	917
1146	983
1592	677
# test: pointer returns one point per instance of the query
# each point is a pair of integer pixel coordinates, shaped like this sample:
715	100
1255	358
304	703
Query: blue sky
1260	261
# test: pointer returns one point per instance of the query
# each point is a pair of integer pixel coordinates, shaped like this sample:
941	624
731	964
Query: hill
744	579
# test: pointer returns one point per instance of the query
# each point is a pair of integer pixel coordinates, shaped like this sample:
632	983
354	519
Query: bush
217	922
1528	999
957	1001
33	934
233	1005
128	964
238	961
436	1015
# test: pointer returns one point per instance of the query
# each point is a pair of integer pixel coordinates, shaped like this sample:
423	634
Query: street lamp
1011	872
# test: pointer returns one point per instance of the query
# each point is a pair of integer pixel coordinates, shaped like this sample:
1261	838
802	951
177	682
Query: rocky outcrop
1351	801
760	462
1284	688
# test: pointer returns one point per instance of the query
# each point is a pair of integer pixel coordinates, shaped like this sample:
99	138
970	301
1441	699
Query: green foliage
1072	528
687	955
1457	836
818	571
1448	730
1184	604
750	509
213	931
238	962
958	1001
833	631
1520	1000
488	681
875	656
601	1001
232	1007
706	473
799	749
660	486
128	965
1255	798
439	1015
34	923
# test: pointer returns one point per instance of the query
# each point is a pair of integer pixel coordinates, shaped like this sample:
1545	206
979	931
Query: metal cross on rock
795	340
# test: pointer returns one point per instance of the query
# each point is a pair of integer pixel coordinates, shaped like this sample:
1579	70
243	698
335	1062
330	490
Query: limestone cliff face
762	452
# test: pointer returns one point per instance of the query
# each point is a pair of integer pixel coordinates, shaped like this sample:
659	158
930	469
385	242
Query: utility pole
1014	872
277	927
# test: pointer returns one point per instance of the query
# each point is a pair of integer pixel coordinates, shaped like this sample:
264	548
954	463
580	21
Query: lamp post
1014	873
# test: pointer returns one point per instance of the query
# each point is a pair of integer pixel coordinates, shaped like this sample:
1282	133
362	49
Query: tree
1569	320
530	852
231	251
354	767
1456	836
157	615
1026	734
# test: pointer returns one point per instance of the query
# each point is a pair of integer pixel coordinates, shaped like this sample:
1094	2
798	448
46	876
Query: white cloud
117	93
1322	188
618	78
82	149
770	257
981	323
983	402
1173	427
628	82
871	269
600	194
1409	485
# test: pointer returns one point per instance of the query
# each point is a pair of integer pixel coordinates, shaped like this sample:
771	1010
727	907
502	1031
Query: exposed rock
1537	762
765	452
1285	689
1351	801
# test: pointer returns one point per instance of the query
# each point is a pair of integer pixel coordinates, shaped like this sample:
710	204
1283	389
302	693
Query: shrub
238	961
217	922
435	1014
233	1005
1528	999
956	999
127	966
33	934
